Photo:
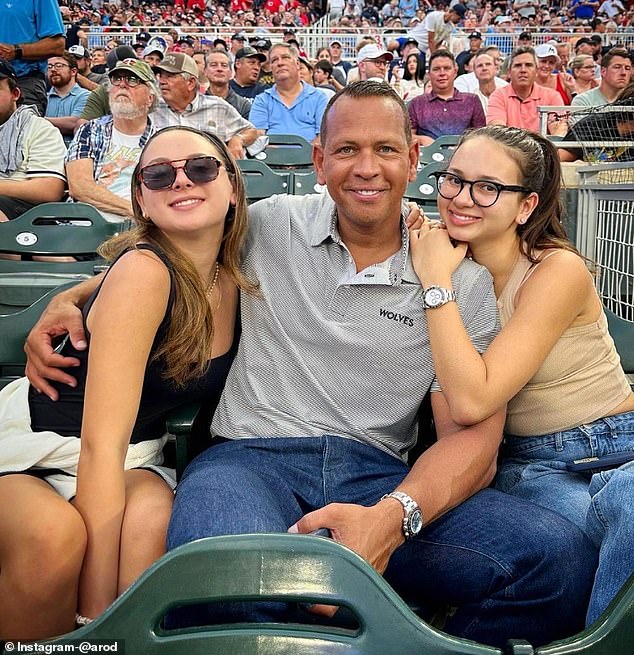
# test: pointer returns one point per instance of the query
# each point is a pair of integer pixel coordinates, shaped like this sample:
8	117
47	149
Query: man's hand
61	317
7	51
235	146
372	532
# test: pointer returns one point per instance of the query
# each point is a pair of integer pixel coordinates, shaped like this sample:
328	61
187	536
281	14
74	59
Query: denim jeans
601	504
513	569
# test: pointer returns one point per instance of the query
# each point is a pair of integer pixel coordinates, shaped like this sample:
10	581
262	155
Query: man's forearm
248	135
35	189
85	83
65	124
51	46
99	196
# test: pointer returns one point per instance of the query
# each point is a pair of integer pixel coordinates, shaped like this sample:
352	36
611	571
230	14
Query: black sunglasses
162	175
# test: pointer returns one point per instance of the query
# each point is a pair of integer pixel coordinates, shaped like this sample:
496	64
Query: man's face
585	49
175	89
247	70
335	51
366	170
236	44
320	76
484	68
128	102
442	73
8	100
475	44
523	71
152	59
373	69
546	65
218	69
454	17
617	74
98	58
284	66
83	65
59	72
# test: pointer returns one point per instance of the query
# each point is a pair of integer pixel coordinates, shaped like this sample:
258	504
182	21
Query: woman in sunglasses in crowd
162	331
553	362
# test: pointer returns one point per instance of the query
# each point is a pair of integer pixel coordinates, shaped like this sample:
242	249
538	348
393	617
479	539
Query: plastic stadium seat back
423	189
56	229
276	567
261	181
286	151
14	329
305	183
439	151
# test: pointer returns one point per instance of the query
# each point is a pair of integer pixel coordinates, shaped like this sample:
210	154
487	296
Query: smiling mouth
186	202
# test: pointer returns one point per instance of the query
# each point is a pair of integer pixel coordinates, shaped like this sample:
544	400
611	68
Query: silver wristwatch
412	515
437	297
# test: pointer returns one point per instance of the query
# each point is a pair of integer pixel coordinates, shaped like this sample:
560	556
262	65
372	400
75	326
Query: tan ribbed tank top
580	380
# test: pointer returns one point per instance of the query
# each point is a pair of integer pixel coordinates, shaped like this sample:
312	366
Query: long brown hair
540	171
187	345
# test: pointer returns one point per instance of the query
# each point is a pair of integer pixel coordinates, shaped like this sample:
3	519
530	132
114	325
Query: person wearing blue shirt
31	31
290	106
66	99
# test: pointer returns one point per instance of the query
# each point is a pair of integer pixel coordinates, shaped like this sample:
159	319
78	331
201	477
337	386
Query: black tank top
158	396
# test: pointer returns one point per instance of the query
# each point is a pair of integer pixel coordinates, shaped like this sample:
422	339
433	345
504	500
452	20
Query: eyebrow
488	178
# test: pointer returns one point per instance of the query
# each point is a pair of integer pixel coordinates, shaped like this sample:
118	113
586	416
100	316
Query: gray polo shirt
327	350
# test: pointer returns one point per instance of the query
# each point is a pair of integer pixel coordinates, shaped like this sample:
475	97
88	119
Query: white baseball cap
373	51
544	50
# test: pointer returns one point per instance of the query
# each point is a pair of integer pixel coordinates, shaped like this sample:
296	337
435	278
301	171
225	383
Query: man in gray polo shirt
321	404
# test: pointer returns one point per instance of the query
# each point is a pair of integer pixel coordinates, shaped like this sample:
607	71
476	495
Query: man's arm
65	124
496	111
83	188
61	317
34	189
85	83
51	46
458	465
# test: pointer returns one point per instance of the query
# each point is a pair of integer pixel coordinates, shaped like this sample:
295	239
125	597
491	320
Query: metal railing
605	231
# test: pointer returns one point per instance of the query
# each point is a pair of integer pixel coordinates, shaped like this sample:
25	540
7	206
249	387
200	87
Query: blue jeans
514	570
601	504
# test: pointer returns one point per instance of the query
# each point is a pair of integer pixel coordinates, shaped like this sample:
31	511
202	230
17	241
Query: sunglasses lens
201	169
158	176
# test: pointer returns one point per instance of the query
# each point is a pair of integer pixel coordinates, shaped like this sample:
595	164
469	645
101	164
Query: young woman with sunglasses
553	361
162	331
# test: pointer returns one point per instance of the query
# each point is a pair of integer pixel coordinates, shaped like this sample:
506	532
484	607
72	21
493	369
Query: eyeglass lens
130	80
482	193
57	67
199	170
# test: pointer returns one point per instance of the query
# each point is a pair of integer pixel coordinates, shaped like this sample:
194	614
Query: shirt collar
325	227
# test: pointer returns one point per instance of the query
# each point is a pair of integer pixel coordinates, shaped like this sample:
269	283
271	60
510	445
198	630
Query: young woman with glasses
162	331
553	361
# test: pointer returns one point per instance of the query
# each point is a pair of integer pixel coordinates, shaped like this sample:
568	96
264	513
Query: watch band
18	51
412	514
435	296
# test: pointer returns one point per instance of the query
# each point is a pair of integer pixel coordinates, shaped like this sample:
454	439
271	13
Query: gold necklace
211	287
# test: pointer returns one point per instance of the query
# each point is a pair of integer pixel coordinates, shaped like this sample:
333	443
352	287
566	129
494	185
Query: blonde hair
185	350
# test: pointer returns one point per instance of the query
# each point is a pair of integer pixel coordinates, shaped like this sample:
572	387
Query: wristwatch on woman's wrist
437	297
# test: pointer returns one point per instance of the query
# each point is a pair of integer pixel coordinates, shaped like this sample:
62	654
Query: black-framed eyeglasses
57	66
130	80
484	193
162	175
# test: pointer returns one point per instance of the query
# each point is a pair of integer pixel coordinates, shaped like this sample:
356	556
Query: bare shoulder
565	263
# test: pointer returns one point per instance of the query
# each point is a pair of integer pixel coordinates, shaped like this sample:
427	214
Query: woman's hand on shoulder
435	256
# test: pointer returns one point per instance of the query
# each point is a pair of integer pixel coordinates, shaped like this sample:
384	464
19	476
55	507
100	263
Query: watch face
433	297
415	522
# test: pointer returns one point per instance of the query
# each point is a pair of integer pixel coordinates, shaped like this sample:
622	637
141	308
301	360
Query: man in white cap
86	77
182	104
547	61
373	63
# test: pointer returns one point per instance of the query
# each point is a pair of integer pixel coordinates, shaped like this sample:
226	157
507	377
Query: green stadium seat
261	181
305	183
622	332
286	151
279	567
14	329
439	151
53	230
